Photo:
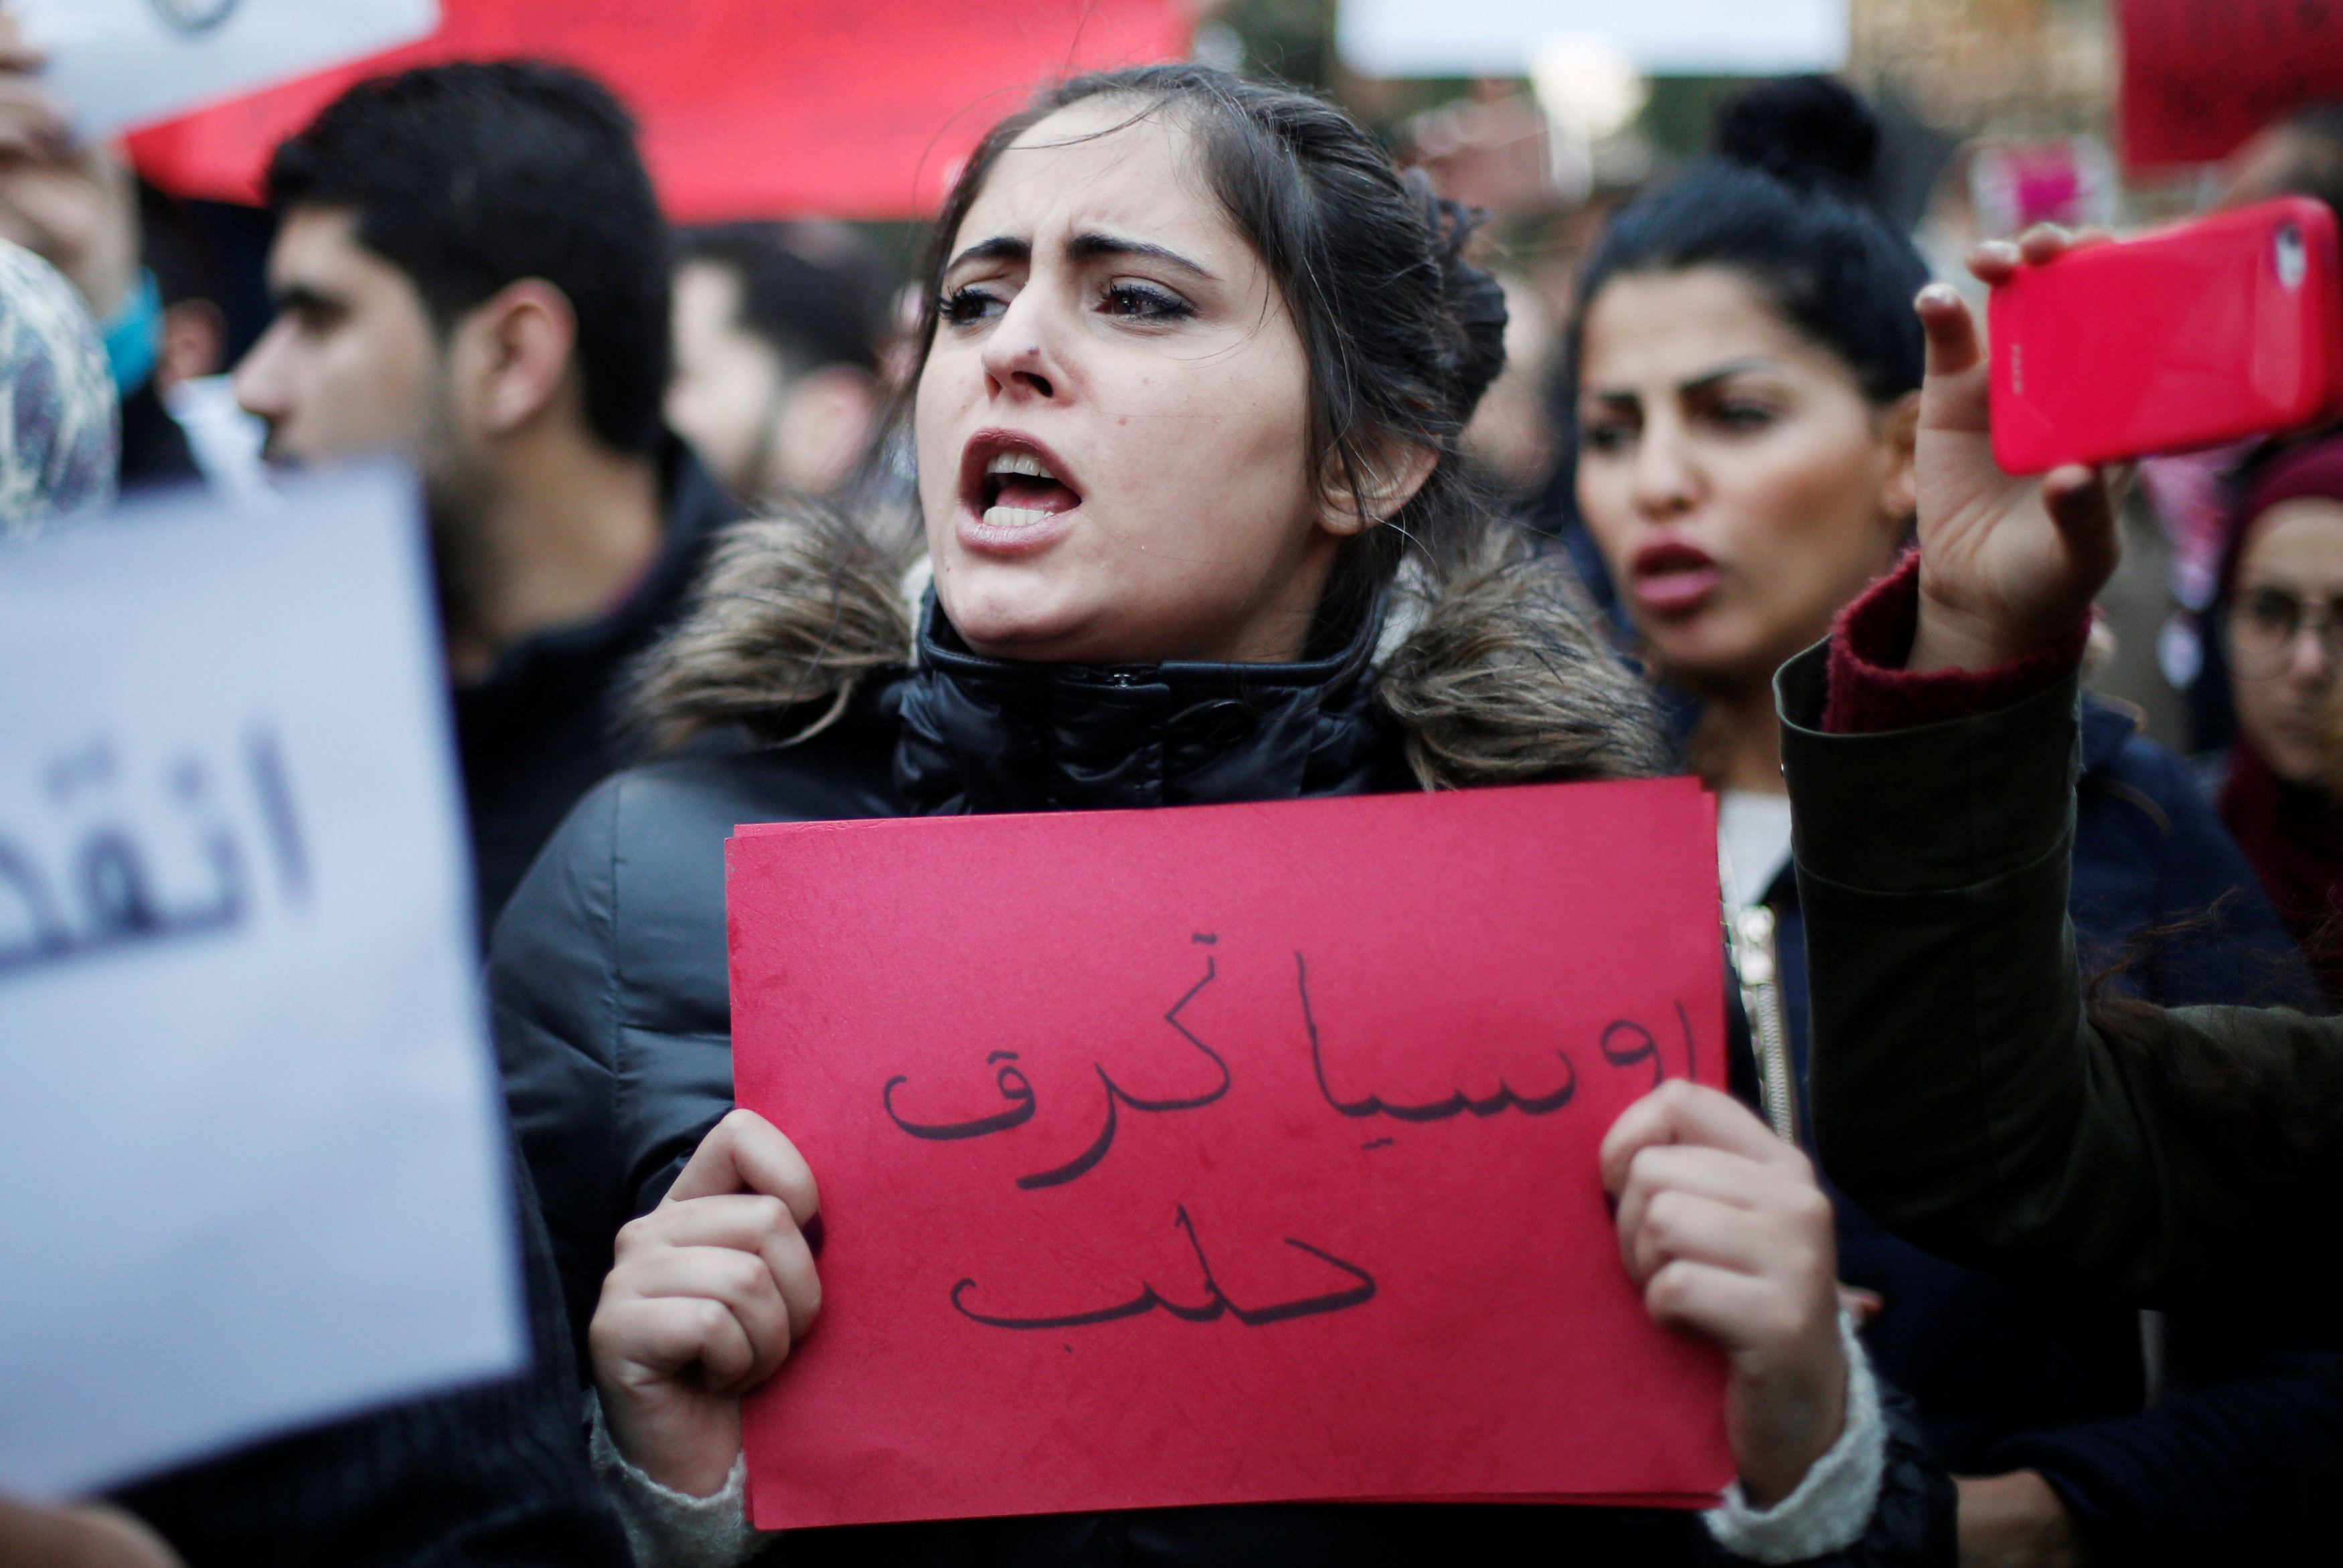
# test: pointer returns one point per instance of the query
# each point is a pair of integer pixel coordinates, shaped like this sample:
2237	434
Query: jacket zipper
1755	961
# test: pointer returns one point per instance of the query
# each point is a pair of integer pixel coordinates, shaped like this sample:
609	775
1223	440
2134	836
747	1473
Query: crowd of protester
2013	1226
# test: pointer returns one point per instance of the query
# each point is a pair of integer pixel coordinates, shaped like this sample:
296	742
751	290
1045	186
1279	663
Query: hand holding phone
2008	565
2223	327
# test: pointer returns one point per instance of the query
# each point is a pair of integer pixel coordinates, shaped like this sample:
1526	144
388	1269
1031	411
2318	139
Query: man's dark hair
818	292
469	177
174	250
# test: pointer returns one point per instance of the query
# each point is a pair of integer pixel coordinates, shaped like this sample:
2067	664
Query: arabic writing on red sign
1141	1133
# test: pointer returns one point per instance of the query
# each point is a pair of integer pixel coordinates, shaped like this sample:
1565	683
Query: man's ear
510	357
1387	479
1899	433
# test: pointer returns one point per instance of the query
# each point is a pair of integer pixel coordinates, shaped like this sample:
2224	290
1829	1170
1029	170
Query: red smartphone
2222	327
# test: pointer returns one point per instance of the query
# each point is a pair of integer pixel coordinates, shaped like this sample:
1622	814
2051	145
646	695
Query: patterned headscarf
59	441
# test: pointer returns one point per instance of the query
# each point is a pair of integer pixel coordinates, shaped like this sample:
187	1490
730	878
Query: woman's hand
708	1292
87	1536
2008	566
1724	1228
2015	1521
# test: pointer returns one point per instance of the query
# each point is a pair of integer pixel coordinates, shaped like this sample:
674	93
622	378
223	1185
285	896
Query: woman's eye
1741	416
961	307
1606	438
1139	302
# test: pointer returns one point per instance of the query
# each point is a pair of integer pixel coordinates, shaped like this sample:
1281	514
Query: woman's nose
1664	483
1017	353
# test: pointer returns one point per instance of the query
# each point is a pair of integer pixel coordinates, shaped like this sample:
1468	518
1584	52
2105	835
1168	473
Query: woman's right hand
707	1294
2007	565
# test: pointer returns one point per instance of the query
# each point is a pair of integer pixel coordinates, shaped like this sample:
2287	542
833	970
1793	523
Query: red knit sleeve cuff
1871	690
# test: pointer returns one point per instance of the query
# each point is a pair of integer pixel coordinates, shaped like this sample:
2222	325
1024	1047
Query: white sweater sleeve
1827	1512
671	1529
1832	1506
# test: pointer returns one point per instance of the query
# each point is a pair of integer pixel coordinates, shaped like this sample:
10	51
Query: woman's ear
1388	479
1899	433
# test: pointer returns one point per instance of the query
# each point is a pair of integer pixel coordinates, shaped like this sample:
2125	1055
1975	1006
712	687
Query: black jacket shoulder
612	1025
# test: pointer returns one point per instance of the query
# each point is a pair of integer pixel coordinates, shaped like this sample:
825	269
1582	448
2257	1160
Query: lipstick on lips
1014	494
1671	578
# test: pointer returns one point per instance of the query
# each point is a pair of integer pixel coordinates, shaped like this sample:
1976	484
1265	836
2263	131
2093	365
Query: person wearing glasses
2280	786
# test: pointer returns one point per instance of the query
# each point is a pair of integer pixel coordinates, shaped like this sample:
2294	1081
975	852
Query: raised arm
1963	1092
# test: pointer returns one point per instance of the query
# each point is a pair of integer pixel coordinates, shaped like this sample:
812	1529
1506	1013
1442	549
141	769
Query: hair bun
1811	132
1474	296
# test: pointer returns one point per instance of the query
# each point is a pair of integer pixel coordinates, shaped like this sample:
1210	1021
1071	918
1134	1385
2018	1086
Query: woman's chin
1013	625
1690	654
1716	654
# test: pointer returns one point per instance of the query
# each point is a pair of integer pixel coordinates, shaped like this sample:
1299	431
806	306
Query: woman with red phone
1968	1089
1748	367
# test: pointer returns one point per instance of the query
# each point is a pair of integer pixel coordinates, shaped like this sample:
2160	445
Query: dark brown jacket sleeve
1963	1092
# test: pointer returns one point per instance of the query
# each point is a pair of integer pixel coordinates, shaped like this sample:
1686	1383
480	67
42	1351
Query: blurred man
490	1473
779	334
471	271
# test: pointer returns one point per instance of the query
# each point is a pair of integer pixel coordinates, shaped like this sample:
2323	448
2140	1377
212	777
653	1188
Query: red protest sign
750	109
1227	1154
2199	76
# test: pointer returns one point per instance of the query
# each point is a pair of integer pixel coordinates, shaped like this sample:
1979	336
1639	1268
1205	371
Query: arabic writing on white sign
246	1107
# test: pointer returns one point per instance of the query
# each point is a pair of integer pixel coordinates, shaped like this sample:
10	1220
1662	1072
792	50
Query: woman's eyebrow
1708	380
1091	247
1000	247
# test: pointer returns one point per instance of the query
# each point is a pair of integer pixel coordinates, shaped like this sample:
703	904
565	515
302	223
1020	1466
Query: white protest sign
250	1137
1660	37
121	62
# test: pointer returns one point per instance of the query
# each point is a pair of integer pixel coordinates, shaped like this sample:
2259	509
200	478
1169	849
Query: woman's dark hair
1402	334
1780	202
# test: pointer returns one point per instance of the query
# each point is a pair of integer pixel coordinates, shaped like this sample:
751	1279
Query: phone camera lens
2293	260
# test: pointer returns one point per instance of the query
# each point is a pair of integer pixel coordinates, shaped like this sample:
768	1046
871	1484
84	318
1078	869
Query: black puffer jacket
612	1016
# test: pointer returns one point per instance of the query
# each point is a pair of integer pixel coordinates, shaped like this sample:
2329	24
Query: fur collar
1492	674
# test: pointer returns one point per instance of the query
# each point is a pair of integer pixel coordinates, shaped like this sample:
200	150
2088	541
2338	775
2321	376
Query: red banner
750	109
2199	76
1227	1154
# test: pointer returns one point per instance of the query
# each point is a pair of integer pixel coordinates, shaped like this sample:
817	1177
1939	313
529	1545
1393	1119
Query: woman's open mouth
1014	494
1671	578
1019	490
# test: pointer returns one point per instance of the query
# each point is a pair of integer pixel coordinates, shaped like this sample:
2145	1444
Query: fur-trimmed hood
1493	676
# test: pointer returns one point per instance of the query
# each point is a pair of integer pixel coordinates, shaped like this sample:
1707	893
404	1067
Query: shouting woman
1186	423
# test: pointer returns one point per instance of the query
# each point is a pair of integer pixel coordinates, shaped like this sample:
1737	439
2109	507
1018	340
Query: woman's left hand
1724	1228
84	1535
